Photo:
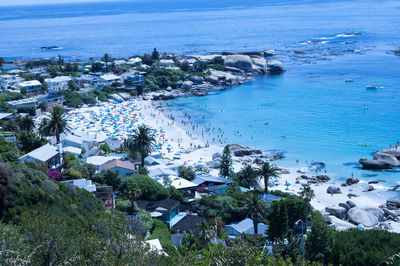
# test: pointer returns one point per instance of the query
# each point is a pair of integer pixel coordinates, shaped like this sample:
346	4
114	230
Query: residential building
188	188
57	84
83	184
167	210
105	193
30	85
123	167
9	81
6	116
98	161
28	103
245	227
50	154
160	172
50	99
209	184
189	223
135	79
109	79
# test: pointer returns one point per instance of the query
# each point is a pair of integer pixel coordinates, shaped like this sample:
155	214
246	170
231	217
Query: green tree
150	188
106	59
246	176
267	171
155	54
72	85
307	194
133	192
112	178
225	169
320	240
26	123
256	209
105	148
278	221
205	233
30	141
186	172
97	67
55	125
142	141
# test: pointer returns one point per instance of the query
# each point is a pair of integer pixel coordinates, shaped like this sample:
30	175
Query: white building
109	79
9	81
57	84
82	183
30	85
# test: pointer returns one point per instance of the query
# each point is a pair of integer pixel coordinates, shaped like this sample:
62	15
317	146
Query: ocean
310	112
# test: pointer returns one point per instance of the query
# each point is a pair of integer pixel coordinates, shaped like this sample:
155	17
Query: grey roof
5	115
160	172
202	178
246	227
42	154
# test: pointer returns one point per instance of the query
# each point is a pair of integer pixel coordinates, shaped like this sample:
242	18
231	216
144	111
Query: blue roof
246	227
202	178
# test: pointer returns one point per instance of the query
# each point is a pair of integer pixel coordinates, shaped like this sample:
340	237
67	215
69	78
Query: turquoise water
313	114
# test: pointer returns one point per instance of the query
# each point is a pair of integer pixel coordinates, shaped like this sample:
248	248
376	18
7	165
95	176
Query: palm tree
205	233
256	209
55	125
143	141
247	176
267	171
307	194
133	192
26	123
107	59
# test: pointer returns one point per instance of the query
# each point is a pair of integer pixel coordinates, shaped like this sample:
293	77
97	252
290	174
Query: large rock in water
259	65
360	216
339	224
275	67
338	211
242	62
395	151
187	85
388	158
374	164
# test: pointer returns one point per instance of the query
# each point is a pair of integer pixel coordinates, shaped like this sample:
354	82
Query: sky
38	2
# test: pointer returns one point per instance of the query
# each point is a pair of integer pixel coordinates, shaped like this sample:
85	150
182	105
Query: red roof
119	163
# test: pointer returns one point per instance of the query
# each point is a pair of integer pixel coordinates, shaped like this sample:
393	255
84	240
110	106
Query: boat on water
372	87
363	144
349	80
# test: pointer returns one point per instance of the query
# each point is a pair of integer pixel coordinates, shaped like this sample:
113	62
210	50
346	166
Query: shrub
150	188
186	172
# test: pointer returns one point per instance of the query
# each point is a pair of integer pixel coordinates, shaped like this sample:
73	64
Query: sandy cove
195	150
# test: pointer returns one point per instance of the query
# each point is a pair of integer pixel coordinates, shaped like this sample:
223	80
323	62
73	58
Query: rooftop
30	83
58	79
100	160
189	222
121	164
246	226
109	77
42	154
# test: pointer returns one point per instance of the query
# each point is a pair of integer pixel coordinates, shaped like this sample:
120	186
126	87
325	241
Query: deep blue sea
312	113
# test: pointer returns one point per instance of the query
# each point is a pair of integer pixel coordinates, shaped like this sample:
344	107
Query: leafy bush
186	172
160	231
370	247
123	205
150	188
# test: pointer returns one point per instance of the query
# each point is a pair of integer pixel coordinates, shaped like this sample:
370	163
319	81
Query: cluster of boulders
239	68
348	215
386	159
312	179
245	155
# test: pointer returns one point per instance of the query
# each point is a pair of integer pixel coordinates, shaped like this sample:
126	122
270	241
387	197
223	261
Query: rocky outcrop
337	211
240	151
393	203
196	79
333	190
387	158
339	224
216	155
376	212
215	164
275	67
374	164
322	178
259	65
242	62
187	85
395	151
351	204
352	180
344	205
359	216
